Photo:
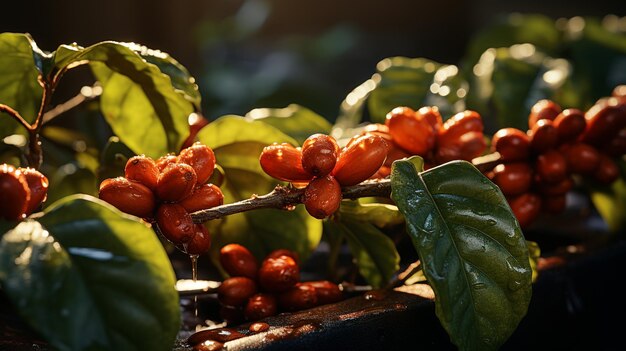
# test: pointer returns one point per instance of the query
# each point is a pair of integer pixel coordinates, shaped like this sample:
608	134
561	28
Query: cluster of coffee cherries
323	167
254	292
423	132
539	166
22	191
166	191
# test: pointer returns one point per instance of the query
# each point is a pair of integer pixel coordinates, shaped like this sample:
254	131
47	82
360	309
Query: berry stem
16	115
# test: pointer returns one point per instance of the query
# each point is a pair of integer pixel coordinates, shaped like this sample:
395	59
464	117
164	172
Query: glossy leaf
471	247
19	88
231	129
380	215
373	251
94	278
296	121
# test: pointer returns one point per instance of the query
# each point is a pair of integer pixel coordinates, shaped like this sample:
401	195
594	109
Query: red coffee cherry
322	197
607	171
165	160
512	144
616	147
604	121
513	178
360	159
200	243
128	196
558	188
570	124
319	154
326	291
38	188
14	193
284	162
431	115
554	204
278	274
466	147
410	131
284	252
551	166
175	223
526	207
582	158
142	169
297	298
201	158
235	291
395	153
459	124
543	109
543	136
232	314
260	306
203	196
176	182
238	261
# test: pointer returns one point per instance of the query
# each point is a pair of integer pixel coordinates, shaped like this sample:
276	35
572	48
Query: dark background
269	53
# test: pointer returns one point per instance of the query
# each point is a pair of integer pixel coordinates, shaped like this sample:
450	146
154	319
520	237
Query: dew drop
492	222
515	285
479	286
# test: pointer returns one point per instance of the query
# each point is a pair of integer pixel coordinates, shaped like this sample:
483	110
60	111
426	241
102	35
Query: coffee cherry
201	158
176	182
512	144
513	178
559	188
203	196
299	297
165	160
278	274
459	124
360	159
604	122
326	291
616	147
322	197
619	91
231	314
466	147
260	306
175	223
395	153
554	204
235	291
284	252
128	196
38	188
410	131
284	162
607	171
14	193
319	154
237	260
543	109
200	243
570	124
582	158
142	169
526	207
431	115
551	166
196	122
543	136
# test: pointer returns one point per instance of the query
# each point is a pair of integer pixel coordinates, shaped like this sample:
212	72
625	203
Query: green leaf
19	88
69	179
231	129
534	253
471	247
296	121
139	101
89	277
380	215
374	252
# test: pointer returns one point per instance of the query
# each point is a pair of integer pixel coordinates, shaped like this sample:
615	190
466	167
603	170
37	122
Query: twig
87	93
16	115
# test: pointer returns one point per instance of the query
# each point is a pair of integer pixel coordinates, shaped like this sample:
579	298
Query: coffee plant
461	159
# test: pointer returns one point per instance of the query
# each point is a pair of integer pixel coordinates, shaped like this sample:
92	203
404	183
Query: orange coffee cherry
38	188
582	158
278	274
319	154
143	170
260	306
607	171
165	160
466	147
431	115
203	196
235	291
543	109
326	291
513	178
128	196
410	131
297	298
322	197
512	144
543	135
283	162
570	124
237	260
201	158
176	182
14	193
526	207
200	243
284	252
175	223
459	124
551	166
360	160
